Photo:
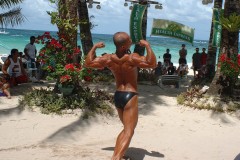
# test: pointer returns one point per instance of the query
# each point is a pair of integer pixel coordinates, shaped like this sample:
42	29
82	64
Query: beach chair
169	80
30	67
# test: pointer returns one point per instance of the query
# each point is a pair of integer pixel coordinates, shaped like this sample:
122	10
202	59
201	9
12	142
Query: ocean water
19	38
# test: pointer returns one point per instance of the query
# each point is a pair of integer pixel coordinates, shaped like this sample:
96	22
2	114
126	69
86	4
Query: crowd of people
14	69
167	67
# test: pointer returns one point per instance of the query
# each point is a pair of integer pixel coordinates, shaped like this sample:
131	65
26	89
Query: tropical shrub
56	58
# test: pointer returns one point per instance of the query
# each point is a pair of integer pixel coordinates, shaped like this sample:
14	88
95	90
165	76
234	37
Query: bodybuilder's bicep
98	62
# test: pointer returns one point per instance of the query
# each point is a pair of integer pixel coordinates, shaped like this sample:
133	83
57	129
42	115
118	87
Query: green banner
136	22
168	28
217	27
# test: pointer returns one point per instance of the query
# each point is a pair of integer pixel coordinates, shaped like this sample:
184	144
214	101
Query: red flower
65	78
223	58
87	78
76	51
69	67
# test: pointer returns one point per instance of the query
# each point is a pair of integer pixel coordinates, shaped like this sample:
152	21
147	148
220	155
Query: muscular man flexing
124	68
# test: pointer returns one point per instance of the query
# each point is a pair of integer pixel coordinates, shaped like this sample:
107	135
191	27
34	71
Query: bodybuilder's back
125	72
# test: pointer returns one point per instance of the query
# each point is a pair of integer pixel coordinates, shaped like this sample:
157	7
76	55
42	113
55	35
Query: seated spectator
158	69
4	86
171	70
167	56
182	69
23	59
14	68
157	72
165	67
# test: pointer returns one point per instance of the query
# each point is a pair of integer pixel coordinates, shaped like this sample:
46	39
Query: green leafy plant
230	67
57	56
231	23
91	102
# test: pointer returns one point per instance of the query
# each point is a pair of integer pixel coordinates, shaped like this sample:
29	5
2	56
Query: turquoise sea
19	38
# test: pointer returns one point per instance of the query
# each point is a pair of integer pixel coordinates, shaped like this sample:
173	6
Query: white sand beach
165	131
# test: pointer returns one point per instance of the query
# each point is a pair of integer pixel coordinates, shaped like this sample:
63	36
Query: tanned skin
124	67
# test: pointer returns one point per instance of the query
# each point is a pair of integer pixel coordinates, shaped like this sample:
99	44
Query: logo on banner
173	29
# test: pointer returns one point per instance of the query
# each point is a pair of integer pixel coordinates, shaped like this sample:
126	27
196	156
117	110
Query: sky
114	17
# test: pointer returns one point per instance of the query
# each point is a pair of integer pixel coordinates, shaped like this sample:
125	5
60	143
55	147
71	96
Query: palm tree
211	49
212	56
230	39
12	16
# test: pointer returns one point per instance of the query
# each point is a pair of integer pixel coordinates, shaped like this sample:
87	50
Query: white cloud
113	16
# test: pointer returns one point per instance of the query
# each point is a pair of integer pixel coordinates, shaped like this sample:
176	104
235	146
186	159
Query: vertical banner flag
217	27
162	27
136	22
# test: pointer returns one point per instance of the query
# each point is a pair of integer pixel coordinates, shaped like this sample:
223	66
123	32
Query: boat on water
2	31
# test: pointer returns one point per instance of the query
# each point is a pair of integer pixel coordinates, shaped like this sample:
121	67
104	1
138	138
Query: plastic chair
30	68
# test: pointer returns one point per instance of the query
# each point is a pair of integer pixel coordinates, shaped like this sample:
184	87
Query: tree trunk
84	26
212	51
72	14
229	40
211	58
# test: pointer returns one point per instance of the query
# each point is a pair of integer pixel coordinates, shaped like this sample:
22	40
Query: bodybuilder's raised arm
92	61
145	62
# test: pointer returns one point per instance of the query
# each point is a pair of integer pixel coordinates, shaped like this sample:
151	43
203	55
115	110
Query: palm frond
232	23
13	17
9	3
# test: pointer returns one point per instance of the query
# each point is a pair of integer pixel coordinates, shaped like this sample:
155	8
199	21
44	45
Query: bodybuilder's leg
129	119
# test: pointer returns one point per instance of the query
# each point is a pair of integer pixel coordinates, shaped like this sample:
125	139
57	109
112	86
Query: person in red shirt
203	57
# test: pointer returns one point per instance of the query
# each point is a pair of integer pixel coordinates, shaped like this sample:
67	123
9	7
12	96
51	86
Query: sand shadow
68	132
221	116
9	111
237	157
138	153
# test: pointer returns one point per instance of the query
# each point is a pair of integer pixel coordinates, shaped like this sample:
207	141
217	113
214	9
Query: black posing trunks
121	98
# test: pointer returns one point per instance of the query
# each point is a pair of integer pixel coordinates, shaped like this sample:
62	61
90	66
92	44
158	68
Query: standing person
196	62
30	53
167	56
183	55
204	62
204	57
124	67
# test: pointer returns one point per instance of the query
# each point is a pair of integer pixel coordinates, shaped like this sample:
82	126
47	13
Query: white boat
2	31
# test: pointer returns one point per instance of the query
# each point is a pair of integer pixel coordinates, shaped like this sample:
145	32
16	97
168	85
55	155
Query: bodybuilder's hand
99	45
144	43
